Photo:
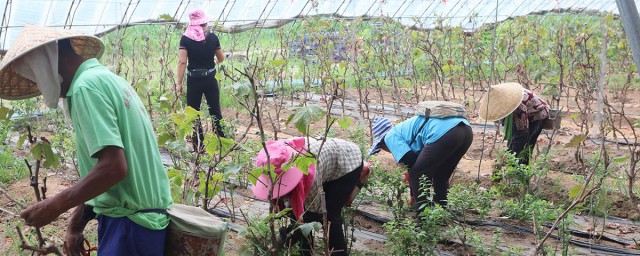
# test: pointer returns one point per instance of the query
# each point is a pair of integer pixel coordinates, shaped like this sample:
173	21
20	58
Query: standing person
201	50
520	109
339	165
432	150
122	178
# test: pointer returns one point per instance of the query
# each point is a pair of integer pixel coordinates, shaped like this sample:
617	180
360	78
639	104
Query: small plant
481	245
388	187
408	237
529	207
470	198
515	177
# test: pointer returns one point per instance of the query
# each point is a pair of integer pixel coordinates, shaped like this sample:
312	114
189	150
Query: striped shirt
337	158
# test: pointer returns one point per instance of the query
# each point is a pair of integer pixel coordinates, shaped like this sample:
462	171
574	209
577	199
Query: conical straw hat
14	86
502	99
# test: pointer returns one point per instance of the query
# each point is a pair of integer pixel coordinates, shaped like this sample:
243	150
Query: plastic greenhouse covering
99	16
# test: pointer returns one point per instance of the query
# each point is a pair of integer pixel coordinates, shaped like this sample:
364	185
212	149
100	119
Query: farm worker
199	52
431	152
338	171
518	108
122	178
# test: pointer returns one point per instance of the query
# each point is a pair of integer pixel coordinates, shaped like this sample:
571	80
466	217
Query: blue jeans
121	236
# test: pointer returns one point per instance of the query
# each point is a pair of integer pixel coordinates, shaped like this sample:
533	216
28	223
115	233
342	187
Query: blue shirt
400	135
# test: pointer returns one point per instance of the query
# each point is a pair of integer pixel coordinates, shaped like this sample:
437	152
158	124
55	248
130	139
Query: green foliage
303	116
528	207
599	202
42	151
470	197
515	177
389	188
407	237
258	235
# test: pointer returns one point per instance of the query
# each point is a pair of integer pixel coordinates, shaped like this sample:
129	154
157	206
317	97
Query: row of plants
271	91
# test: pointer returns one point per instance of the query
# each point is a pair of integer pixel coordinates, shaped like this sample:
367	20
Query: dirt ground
477	165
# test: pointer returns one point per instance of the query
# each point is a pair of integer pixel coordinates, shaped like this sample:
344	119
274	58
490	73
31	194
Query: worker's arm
73	238
182	66
219	56
110	169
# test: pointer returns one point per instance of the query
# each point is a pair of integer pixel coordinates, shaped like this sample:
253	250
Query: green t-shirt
106	111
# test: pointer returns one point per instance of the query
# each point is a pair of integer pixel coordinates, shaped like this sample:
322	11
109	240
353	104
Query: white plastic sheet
96	16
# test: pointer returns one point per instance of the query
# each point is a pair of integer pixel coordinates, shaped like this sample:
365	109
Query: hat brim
285	183
500	101
14	86
376	147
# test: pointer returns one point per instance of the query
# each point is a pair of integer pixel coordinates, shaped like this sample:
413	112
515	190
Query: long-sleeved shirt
337	158
532	108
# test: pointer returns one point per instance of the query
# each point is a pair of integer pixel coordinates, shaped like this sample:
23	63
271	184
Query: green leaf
232	169
255	174
303	116
344	122
52	160
164	103
285	167
576	140
242	90
609	18
282	213
5	114
575	116
278	62
303	163
163	138
214	184
21	141
143	86
177	145
192	114
217	145
621	159
308	227
175	177
179	118
574	191
42	151
37	151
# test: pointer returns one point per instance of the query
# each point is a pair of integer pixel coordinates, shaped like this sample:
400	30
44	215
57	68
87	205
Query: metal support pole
631	25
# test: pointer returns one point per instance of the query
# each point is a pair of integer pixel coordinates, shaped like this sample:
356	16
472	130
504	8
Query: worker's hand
73	243
179	89
41	213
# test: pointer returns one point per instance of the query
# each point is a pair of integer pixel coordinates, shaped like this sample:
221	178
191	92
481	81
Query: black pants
437	161
209	87
336	193
523	142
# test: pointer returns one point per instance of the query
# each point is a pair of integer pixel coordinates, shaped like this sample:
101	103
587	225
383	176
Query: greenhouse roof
99	16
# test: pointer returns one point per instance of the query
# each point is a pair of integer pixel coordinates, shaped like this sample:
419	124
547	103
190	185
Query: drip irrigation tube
594	247
610	250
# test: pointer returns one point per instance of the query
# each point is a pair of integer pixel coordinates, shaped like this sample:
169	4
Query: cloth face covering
41	66
195	33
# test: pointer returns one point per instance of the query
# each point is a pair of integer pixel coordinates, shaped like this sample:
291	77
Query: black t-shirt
200	54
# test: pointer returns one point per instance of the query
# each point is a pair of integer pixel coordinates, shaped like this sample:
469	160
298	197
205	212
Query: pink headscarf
194	31
280	152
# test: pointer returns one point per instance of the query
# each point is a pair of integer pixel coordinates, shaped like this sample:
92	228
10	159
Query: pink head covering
194	30
293	182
